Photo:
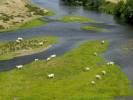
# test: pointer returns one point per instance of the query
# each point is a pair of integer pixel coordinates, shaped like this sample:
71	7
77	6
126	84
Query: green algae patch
80	19
93	28
71	81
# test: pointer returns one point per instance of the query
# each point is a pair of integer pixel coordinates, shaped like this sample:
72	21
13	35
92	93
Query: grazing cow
87	68
50	75
98	77
110	63
102	42
93	82
104	72
36	59
19	66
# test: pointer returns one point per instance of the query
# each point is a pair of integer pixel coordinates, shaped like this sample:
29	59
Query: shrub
6	17
36	10
124	10
2	27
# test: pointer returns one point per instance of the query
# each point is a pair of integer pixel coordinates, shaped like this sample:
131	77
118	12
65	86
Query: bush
108	7
2	27
6	17
36	10
124	10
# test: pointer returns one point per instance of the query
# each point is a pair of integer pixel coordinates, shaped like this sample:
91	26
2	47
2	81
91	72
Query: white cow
36	59
53	56
93	82
87	68
51	75
20	39
104	72
48	59
19	66
102	42
110	63
98	77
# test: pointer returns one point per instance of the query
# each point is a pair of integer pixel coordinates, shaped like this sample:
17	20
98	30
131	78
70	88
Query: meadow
71	81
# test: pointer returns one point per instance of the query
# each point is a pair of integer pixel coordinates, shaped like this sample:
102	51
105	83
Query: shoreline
14	49
32	13
34	51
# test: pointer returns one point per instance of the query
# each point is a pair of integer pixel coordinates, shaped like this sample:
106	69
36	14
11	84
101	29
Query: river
71	35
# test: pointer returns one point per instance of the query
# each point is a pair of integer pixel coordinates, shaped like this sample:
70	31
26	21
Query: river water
71	35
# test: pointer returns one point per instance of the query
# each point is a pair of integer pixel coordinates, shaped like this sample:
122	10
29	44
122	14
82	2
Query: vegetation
2	27
107	7
123	9
71	81
33	23
14	19
36	10
5	17
76	19
16	48
89	3
92	28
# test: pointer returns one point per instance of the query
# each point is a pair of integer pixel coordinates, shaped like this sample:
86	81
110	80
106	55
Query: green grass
71	82
30	24
11	49
93	28
33	23
81	19
36	22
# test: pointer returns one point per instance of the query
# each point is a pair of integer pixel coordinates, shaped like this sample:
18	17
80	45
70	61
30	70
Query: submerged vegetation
93	28
21	47
81	19
74	77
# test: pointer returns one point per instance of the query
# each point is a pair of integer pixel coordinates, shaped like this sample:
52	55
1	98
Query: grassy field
11	49
71	81
93	28
76	19
33	23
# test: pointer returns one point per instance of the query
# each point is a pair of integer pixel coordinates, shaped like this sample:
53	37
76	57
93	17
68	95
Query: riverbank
15	13
120	9
23	47
73	76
